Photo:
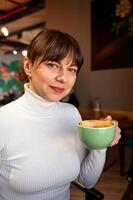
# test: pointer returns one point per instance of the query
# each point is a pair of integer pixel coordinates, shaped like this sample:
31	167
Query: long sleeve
91	162
91	167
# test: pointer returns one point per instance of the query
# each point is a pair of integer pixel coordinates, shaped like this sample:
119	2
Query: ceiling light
24	53
5	31
15	52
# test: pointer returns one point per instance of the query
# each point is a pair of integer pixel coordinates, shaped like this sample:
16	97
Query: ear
27	66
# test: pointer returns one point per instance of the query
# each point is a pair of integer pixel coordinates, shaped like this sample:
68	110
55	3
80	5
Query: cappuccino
96	123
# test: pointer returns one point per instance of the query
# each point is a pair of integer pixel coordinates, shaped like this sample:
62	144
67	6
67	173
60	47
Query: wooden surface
125	119
129	191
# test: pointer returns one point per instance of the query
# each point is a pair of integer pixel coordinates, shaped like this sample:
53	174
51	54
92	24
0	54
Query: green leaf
10	84
20	86
4	64
2	83
15	66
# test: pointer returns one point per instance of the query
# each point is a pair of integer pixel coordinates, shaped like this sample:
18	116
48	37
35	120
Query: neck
36	104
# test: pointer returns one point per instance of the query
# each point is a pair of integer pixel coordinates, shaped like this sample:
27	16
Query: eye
52	65
73	70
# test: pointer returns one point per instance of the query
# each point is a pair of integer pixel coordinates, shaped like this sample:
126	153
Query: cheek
72	82
42	77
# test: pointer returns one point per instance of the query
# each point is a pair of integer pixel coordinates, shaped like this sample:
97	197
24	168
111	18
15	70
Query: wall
7	58
114	87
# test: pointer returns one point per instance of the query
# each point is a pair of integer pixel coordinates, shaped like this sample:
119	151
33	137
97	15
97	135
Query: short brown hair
54	45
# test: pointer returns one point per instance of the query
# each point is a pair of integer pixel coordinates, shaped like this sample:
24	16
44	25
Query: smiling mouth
58	90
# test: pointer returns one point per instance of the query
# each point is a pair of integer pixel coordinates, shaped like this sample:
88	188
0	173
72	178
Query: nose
62	76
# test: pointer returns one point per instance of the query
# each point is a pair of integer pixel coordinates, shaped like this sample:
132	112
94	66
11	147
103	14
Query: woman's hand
117	133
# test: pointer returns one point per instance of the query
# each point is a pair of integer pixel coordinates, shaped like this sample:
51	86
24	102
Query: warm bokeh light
24	53
15	52
5	31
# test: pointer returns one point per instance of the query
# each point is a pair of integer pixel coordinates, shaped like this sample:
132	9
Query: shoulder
69	110
8	119
7	106
8	110
68	107
5	120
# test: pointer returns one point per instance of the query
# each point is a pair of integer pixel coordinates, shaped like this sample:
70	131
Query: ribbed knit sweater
40	152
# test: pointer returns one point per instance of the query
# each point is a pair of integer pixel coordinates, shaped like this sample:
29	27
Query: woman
40	150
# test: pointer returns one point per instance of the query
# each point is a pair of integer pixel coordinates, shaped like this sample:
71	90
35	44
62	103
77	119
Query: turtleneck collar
36	104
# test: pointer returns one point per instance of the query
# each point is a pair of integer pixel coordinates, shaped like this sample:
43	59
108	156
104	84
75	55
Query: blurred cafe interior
105	82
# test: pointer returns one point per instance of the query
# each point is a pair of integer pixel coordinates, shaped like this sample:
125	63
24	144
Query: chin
55	98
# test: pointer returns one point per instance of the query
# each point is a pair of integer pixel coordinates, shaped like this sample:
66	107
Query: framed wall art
111	34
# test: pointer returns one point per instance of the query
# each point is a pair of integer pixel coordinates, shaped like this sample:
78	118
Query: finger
117	136
115	122
108	118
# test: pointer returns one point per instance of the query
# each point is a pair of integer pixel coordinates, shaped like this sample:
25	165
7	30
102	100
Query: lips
58	89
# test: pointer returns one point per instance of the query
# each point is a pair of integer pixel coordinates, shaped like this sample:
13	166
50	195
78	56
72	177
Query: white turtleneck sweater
40	152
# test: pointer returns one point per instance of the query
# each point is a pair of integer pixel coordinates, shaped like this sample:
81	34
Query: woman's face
51	80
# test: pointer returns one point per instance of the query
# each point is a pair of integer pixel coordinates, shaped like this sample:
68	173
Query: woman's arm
92	167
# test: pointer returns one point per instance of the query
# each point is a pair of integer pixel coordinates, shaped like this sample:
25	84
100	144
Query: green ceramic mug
96	134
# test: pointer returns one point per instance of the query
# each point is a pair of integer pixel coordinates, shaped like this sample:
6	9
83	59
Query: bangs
55	46
60	53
